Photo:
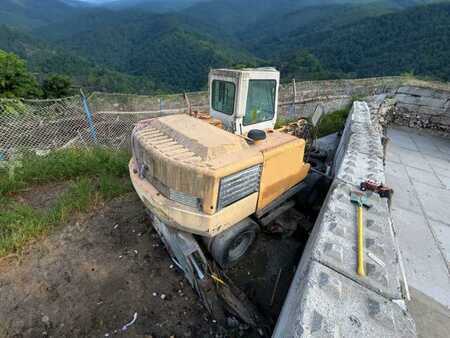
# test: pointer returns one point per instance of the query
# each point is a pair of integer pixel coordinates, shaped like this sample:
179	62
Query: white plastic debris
126	326
163	296
116	226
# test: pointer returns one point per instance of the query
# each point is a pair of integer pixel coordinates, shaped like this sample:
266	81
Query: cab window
260	101
223	94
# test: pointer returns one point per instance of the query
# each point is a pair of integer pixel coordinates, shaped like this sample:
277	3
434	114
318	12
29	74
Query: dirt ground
90	277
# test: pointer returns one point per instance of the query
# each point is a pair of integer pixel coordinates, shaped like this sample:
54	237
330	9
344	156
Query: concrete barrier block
357	167
360	112
336	245
365	139
330	305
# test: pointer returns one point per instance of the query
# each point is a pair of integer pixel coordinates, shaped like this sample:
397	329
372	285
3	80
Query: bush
56	86
333	122
15	80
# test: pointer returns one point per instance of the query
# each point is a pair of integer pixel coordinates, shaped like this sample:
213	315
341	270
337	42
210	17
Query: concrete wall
327	298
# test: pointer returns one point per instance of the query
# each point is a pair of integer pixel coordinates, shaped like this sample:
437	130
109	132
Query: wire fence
106	119
102	119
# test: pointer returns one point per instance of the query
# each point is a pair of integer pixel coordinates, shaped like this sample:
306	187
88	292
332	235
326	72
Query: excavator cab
245	99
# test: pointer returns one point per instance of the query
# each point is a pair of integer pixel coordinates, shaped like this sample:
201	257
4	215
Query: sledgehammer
360	199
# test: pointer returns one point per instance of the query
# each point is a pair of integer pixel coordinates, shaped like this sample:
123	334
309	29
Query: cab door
223	102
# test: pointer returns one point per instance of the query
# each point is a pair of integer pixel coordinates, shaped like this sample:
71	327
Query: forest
145	48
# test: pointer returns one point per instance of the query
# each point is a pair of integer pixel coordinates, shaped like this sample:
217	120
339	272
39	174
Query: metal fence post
294	88
89	118
188	102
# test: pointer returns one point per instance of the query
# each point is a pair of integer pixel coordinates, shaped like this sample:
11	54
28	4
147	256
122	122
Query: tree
15	80
56	86
304	66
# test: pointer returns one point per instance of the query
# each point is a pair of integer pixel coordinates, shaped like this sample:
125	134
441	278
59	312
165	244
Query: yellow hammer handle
361	270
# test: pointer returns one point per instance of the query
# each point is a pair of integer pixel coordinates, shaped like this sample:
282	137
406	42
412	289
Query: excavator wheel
229	246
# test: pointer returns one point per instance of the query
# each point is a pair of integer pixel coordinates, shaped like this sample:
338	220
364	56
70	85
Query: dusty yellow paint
283	168
189	219
190	156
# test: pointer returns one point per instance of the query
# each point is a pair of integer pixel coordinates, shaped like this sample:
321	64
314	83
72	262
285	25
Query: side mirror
257	135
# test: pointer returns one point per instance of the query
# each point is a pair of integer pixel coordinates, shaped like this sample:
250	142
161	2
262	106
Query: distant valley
168	46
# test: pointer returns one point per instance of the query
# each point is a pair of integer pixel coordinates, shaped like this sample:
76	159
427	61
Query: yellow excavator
211	184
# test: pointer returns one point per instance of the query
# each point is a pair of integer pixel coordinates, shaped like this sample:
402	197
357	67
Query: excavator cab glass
260	105
223	95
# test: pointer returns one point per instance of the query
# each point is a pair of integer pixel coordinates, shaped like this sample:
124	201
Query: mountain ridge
173	51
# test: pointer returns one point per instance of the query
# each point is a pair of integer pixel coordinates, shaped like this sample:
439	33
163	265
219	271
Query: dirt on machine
212	181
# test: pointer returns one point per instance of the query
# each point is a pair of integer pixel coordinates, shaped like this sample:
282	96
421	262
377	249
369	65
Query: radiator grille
239	185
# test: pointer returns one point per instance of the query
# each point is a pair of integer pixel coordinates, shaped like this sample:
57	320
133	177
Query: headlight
185	199
237	186
176	196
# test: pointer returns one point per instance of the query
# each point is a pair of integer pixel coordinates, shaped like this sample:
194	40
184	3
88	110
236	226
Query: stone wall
302	99
422	107
296	99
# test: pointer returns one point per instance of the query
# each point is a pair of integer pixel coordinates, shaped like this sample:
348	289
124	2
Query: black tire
232	244
318	154
317	164
386	194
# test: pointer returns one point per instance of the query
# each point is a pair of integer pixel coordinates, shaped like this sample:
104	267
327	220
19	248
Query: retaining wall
327	298
422	107
296	99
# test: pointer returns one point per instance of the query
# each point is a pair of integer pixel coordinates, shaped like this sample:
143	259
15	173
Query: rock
45	320
232	322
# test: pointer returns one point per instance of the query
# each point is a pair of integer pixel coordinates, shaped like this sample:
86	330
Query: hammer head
360	198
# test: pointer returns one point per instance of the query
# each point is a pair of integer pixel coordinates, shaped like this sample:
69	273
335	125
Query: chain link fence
39	125
107	119
101	119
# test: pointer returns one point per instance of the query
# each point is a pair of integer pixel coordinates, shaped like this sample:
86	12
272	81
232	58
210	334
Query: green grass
95	176
283	121
333	122
63	165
